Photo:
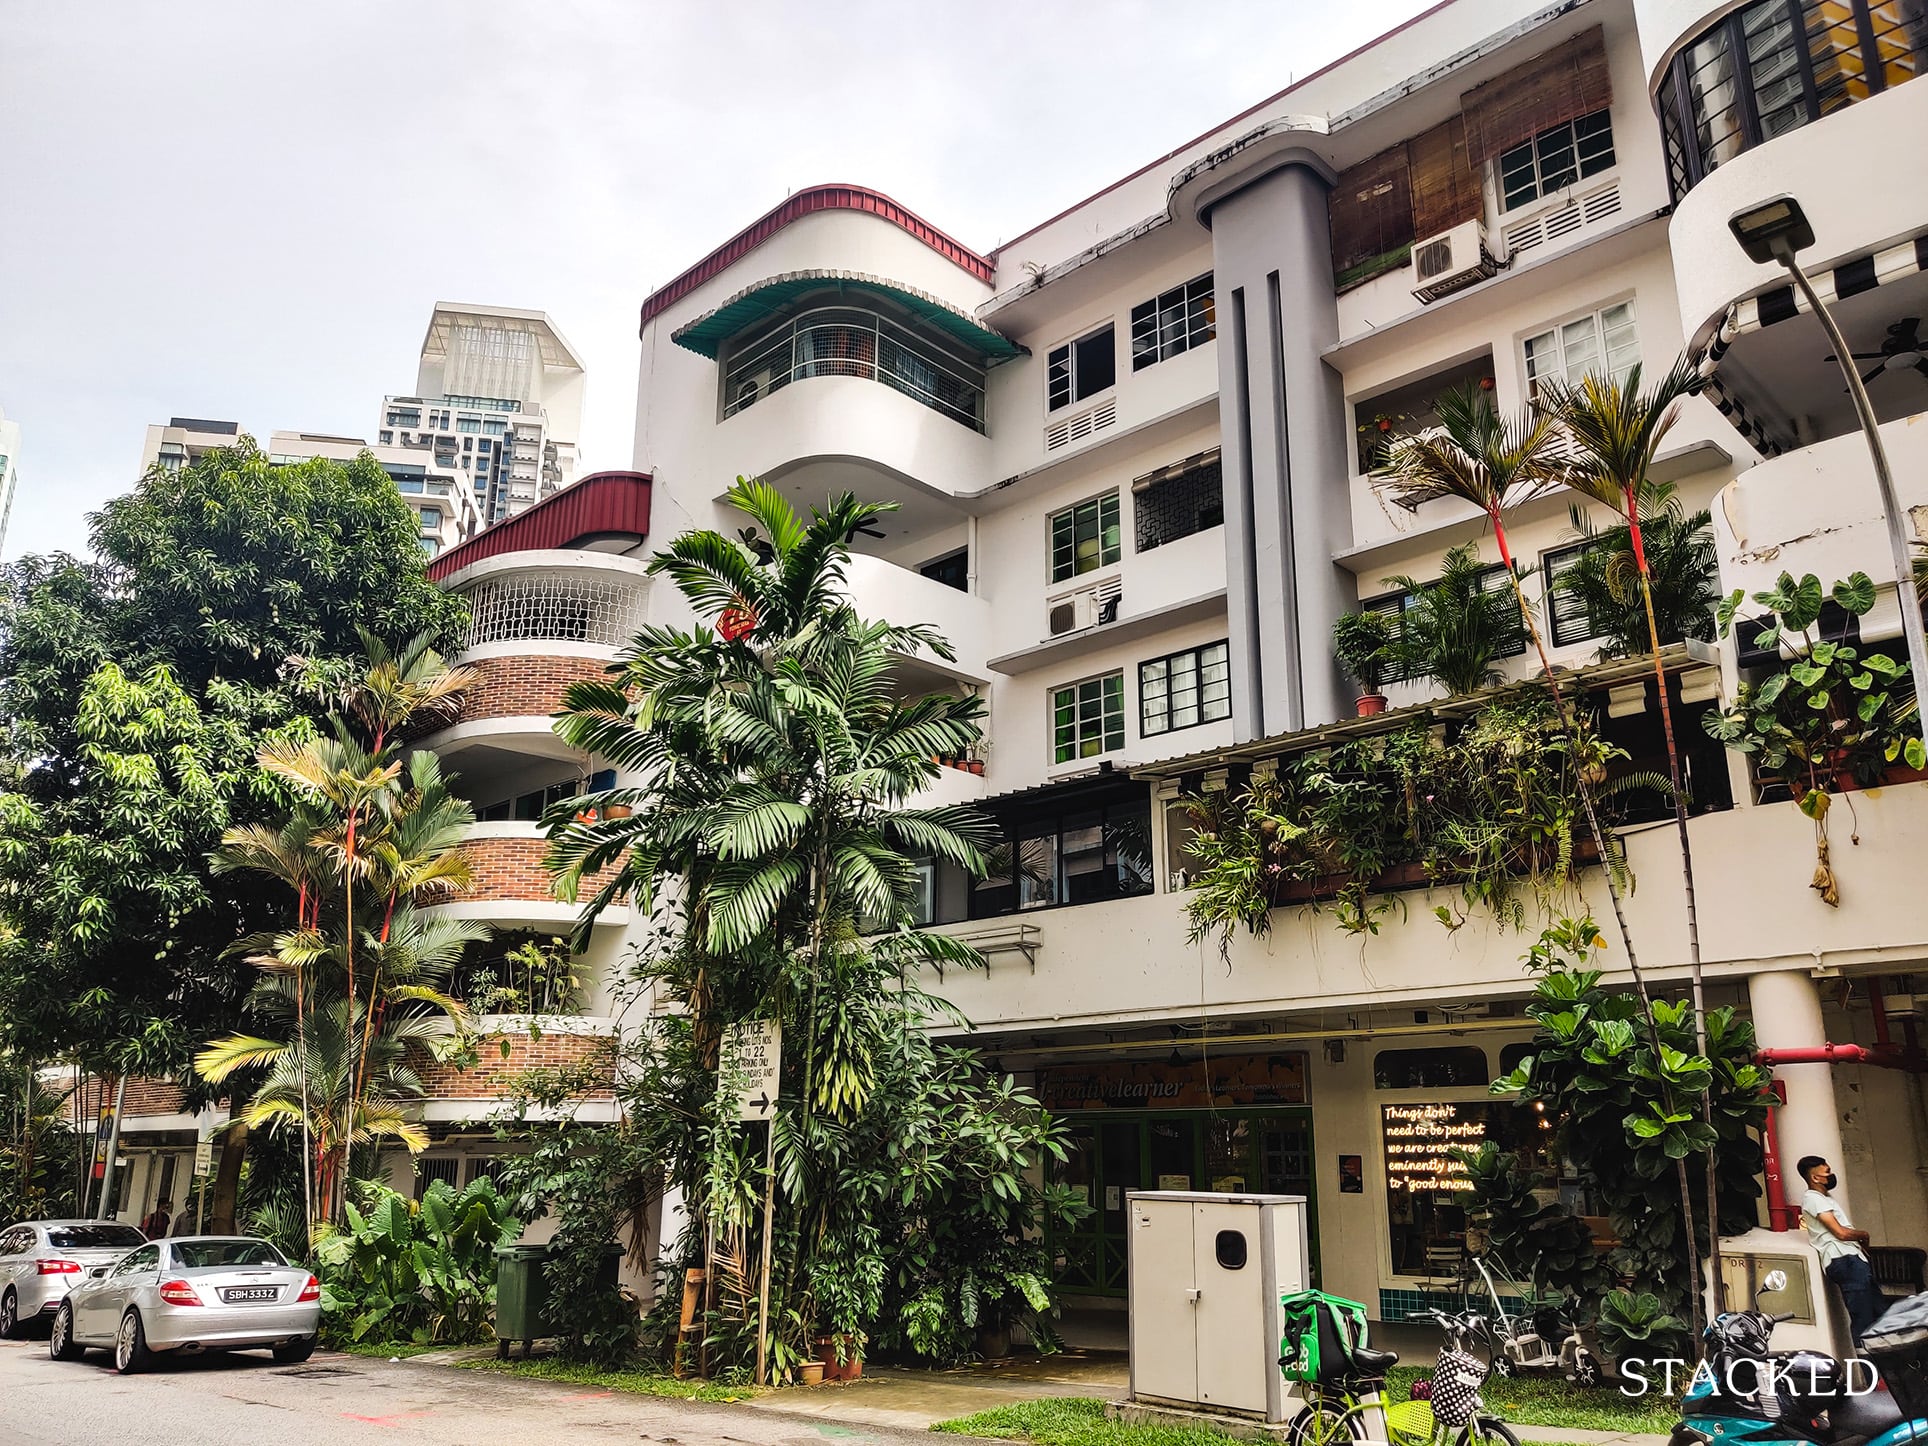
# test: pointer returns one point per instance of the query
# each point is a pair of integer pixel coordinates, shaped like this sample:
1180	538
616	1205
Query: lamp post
1774	231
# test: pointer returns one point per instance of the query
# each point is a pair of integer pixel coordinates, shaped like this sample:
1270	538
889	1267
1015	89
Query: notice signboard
748	1065
203	1156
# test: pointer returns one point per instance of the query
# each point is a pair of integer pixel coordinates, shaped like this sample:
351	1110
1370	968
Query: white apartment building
1129	452
499	399
9	472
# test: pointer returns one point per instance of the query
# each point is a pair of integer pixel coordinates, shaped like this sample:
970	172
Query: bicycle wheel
1325	1423
1487	1431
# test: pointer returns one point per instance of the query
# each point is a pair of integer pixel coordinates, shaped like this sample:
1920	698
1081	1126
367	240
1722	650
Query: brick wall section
511	868
491	1075
519	686
153	1097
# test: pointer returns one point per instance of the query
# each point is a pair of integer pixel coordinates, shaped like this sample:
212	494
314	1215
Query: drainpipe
1879	1006
1780	1216
970	554
1888	1057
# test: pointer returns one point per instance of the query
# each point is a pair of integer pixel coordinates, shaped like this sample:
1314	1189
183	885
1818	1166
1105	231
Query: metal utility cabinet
1207	1272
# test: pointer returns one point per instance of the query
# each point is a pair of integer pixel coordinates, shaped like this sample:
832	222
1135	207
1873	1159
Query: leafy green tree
772	841
1604	579
222	609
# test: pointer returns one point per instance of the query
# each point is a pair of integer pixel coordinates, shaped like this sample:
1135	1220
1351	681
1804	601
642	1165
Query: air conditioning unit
1452	261
1088	608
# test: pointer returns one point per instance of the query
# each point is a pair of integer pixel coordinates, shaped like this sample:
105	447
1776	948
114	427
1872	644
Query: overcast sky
246	211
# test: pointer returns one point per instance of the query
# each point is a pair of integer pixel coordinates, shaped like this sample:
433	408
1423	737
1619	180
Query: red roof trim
806	203
1176	151
601	503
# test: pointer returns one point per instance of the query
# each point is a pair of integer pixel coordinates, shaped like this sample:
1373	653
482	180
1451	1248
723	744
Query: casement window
1088	718
1173	322
1605	344
1081	368
1091	845
1178	501
1569	618
1185	689
1555	159
1085	538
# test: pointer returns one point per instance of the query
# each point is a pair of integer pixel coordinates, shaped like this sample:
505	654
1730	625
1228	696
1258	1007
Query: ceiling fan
1901	349
862	529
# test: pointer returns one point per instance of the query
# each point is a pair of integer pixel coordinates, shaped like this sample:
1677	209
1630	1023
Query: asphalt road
333	1400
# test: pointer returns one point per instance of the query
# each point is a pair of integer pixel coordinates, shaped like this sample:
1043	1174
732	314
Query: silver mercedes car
190	1294
40	1260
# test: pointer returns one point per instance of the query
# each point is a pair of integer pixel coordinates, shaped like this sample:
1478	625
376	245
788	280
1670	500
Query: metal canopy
706	335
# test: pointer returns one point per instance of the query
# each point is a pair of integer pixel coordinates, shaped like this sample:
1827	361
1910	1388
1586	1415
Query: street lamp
1774	231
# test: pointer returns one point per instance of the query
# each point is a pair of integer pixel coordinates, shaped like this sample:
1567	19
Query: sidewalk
916	1400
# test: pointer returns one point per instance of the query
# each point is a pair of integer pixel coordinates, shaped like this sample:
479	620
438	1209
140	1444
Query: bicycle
1352	1408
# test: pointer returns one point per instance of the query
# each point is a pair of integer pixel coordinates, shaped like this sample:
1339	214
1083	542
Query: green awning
747	309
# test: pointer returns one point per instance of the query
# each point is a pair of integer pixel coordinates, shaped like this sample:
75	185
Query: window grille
537	607
431	1168
1176	506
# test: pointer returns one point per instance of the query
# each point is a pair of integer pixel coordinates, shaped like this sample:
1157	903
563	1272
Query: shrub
414	1272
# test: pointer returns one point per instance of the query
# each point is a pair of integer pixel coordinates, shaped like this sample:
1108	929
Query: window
145	1259
386	438
1416	1069
1085	538
1179	501
1092	843
1605	344
105	1236
1569	617
1081	369
400	418
431	1168
1185	689
1088	718
1776	65
1555	159
952	570
1176	321
495	427
1398	604
468	424
214	1254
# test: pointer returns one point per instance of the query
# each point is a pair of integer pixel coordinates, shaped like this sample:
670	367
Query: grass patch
1081	1421
637	1381
1074	1421
1551	1401
384	1350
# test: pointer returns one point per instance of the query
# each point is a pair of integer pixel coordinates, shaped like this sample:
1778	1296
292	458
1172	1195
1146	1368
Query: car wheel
61	1344
9	1316
295	1352
130	1345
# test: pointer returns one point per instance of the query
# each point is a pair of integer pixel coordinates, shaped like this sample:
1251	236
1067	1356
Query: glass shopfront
1231	1125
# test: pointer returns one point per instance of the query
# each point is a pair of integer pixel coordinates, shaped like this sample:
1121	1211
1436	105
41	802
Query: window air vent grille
1576	215
1076	429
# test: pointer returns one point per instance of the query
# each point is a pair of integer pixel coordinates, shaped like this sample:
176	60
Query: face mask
1832	1181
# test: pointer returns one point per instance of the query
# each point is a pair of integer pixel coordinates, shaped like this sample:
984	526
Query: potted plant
1833	717
842	1355
1363	642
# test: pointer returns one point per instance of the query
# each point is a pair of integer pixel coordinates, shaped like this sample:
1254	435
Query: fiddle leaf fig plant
1832	712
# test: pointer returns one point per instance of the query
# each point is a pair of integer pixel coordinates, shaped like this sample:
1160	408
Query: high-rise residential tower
498	397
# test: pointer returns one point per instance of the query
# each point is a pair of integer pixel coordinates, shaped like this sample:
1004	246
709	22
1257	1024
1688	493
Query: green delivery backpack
1321	1333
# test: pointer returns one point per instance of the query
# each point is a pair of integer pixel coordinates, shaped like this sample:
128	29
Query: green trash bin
521	1292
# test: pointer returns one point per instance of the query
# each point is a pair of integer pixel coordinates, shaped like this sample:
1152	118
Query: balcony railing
538	607
845	342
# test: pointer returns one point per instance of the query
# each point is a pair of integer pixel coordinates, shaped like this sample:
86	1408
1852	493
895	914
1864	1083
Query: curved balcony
510	709
511	1045
1816	510
560	603
846	341
882	590
511	886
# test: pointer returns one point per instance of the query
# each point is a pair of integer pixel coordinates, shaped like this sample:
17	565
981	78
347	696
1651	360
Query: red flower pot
1371	704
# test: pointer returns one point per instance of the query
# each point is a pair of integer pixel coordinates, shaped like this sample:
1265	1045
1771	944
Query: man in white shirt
1839	1244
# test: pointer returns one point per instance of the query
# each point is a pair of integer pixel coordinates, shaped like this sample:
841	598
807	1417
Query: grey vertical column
1282	415
1235	450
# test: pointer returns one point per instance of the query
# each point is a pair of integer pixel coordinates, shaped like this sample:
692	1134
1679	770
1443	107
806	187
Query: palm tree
1496	462
1605	576
1616	431
775	759
372	835
1457	628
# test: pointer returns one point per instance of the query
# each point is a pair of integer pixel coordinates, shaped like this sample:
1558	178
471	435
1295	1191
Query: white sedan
187	1295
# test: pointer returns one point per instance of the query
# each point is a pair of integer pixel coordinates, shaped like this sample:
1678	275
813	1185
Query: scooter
1744	1392
1546	1339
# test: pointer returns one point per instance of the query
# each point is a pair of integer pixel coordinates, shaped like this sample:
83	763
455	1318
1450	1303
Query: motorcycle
1745	1392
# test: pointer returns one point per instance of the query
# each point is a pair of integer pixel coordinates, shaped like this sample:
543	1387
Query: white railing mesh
538	608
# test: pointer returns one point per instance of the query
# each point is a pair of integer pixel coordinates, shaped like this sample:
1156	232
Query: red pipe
1780	1215
1880	1007
1835	1054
